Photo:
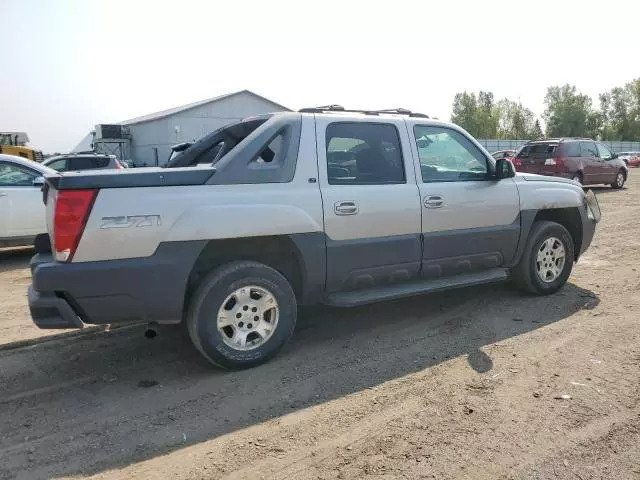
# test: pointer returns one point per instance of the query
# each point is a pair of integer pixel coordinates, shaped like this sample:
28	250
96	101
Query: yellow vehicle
15	143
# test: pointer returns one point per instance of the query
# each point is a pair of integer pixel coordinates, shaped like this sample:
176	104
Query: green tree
620	112
483	117
595	126
537	130
465	112
567	112
477	114
487	118
516	122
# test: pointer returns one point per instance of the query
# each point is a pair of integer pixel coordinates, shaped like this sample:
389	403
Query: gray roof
165	113
85	145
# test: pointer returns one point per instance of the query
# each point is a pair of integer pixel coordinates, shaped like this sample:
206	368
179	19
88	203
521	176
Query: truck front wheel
547	260
242	314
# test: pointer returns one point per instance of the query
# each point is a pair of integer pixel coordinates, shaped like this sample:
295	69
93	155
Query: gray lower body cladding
148	289
586	226
152	289
371	262
588	230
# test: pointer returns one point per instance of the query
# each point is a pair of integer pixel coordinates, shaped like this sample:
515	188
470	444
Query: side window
74	163
59	165
15	176
271	151
573	149
446	155
364	154
603	152
588	149
102	162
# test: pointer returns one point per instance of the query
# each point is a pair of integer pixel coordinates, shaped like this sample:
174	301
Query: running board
391	292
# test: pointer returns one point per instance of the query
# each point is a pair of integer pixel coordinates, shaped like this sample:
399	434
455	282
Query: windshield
6	139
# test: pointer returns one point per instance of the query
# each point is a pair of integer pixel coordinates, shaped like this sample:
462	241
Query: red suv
579	159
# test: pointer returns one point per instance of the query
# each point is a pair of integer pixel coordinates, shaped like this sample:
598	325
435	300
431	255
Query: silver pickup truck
324	205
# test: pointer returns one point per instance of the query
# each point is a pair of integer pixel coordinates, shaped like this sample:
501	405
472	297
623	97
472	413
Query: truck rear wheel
242	314
547	260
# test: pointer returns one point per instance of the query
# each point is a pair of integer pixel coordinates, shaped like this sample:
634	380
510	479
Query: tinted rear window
538	150
363	153
87	163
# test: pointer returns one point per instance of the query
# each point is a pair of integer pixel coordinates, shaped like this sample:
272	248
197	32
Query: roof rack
340	108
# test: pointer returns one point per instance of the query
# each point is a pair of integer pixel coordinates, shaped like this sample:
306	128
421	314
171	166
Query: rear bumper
51	311
152	289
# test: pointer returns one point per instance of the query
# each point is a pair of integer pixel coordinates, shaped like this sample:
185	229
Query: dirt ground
466	384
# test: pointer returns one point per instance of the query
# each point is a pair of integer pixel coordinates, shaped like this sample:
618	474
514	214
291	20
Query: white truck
324	205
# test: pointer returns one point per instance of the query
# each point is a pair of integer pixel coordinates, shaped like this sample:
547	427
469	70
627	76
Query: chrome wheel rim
550	259
248	317
620	180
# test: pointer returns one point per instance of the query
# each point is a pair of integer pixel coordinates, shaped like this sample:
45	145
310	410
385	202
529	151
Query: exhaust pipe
151	331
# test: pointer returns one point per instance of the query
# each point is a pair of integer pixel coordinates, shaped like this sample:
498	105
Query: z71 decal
126	221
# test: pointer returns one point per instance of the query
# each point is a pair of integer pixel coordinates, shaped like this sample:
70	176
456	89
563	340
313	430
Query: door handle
348	207
2	194
433	201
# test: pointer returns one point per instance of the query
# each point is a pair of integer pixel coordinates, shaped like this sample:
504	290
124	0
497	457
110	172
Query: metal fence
495	145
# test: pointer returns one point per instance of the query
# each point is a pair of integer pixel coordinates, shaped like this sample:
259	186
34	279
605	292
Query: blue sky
67	65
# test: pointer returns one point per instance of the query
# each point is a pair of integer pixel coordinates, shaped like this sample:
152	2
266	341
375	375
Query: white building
147	140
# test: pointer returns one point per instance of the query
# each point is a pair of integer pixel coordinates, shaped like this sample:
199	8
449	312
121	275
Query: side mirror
614	155
38	181
504	169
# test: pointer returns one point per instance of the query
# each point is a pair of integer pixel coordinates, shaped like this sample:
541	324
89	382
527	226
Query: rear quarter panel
205	212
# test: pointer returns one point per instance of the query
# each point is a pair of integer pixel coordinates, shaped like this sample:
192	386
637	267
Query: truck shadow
599	190
15	258
88	404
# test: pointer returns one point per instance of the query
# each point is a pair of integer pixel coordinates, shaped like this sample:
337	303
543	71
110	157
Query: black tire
525	274
618	183
578	178
209	297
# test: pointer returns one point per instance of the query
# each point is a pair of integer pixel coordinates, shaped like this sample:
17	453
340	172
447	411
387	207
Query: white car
22	211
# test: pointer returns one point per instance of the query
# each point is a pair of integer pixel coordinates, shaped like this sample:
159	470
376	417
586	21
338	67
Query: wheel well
570	219
278	252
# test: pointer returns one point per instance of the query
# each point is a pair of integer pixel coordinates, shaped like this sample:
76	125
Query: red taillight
119	166
560	163
516	162
71	213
